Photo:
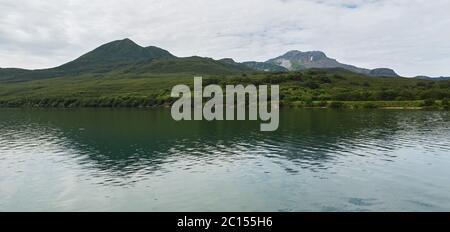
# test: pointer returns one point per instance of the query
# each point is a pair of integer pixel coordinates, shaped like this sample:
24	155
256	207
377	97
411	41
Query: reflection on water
132	160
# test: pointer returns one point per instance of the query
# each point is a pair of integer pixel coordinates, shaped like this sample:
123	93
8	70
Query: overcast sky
410	36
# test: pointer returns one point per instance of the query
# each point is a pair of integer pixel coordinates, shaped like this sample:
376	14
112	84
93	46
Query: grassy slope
313	88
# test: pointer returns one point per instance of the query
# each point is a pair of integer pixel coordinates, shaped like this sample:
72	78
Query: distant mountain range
125	56
297	60
433	78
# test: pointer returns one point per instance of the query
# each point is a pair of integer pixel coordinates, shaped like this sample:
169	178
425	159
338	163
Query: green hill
113	55
126	56
189	65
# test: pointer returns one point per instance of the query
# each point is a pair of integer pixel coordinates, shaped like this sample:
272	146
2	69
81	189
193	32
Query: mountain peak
120	43
127	48
297	53
113	54
297	60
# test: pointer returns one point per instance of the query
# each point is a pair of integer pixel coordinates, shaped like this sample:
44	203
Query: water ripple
349	162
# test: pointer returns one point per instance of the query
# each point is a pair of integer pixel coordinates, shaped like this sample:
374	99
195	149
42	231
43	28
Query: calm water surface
141	160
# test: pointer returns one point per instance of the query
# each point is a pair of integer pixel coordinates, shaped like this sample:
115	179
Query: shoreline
336	105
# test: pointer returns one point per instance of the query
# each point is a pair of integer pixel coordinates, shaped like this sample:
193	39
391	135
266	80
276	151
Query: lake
142	160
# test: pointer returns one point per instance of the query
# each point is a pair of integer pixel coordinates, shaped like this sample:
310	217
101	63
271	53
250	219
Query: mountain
297	60
384	72
134	58
126	55
264	66
112	55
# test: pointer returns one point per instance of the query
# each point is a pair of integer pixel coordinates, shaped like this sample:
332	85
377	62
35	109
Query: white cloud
410	36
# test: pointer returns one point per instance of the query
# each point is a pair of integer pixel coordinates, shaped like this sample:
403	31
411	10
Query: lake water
141	160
